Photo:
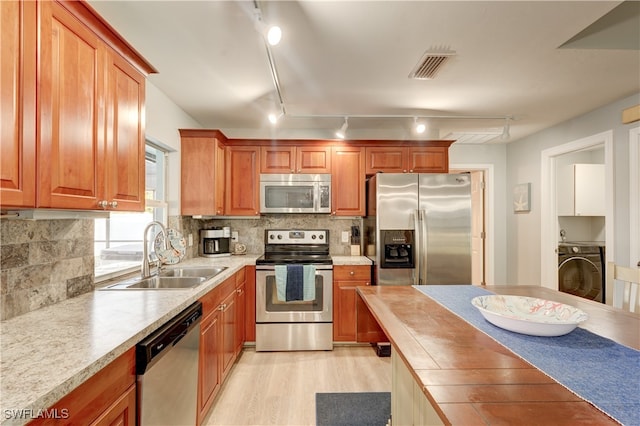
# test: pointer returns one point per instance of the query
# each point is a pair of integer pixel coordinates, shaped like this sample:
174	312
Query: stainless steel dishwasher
167	371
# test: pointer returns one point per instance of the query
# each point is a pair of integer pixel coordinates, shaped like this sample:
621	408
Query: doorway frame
549	228
489	216
634	195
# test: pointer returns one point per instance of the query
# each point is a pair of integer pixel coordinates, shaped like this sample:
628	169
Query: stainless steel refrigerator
418	228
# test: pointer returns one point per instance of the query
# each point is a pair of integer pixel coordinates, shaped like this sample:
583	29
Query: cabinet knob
352	273
102	204
113	204
404	171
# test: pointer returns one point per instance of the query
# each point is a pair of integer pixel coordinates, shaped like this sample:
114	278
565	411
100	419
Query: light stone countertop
350	260
47	353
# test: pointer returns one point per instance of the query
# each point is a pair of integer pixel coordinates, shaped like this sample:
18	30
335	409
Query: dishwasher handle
152	348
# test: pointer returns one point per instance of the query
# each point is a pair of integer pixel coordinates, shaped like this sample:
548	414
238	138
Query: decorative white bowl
529	315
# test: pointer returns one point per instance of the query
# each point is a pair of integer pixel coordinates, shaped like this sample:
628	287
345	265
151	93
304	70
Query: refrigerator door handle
418	253
423	247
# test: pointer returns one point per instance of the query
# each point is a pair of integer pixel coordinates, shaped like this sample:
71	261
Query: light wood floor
278	388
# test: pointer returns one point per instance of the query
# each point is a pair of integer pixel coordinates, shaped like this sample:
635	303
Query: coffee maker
215	242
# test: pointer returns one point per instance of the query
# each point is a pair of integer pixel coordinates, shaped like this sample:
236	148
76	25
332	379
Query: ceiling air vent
430	64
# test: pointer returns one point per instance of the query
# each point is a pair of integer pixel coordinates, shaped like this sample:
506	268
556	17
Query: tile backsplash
251	231
43	262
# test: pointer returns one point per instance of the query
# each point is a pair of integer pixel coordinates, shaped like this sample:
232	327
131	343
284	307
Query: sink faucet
146	264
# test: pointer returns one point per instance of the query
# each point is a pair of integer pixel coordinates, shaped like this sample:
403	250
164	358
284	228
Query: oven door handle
273	267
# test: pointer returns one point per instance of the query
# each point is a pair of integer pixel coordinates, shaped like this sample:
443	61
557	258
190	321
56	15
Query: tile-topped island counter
446	371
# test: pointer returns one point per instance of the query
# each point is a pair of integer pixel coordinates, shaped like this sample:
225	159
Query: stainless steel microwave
295	193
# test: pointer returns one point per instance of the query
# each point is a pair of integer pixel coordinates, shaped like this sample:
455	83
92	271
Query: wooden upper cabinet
421	159
348	181
18	104
125	173
72	112
78	141
202	172
428	159
295	159
242	197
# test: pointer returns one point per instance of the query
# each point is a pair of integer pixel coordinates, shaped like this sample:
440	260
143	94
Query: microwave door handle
316	197
216	246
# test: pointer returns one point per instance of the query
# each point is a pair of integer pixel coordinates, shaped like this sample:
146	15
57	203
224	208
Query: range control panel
297	236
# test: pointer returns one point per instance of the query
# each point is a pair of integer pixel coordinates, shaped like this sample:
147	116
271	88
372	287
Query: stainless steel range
294	291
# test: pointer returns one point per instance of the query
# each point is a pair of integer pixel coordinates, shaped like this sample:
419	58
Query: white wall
524	165
163	119
496	156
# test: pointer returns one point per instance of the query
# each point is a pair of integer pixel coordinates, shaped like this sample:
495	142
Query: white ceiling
354	57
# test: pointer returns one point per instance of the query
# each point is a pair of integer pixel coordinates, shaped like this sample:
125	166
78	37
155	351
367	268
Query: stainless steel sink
170	279
206	273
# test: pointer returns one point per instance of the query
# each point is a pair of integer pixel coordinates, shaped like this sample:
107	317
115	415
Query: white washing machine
581	270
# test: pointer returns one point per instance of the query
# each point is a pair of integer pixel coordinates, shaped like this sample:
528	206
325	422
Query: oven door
269	309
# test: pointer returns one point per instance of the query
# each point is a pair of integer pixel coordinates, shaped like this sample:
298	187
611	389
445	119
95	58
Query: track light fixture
342	132
271	33
275	117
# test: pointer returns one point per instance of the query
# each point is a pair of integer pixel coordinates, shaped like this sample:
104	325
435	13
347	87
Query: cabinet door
589	190
385	159
243	191
201	176
368	329
228	333
122	412
428	159
348	181
274	159
18	104
345	281
313	159
72	112
250	304
209	380
125	171
241	310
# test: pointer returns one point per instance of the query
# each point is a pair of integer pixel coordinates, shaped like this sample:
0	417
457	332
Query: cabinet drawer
348	273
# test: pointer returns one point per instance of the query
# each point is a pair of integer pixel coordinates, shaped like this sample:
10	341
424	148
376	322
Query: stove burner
294	246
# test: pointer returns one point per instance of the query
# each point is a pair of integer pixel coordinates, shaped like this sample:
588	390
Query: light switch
234	236
345	236
190	240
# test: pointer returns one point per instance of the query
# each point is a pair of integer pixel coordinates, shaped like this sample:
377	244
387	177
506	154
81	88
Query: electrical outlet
345	236
190	240
234	236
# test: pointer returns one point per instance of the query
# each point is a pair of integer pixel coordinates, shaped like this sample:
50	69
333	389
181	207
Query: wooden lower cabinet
345	281
241	310
108	397
367	328
221	338
250	304
120	413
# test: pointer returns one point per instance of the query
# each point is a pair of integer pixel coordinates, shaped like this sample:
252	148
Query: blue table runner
597	369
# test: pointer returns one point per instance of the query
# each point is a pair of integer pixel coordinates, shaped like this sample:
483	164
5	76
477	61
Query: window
118	240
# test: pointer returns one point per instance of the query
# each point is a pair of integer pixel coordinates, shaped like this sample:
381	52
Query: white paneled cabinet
580	190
